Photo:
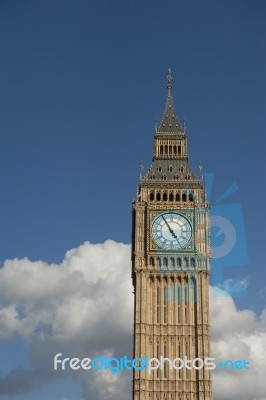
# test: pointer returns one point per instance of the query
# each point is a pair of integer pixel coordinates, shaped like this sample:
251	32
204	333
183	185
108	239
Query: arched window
152	261
158	306
165	307
179	299
179	353
187	354
151	196
191	197
170	168
186	262
177	197
184	197
171	197
161	149
187	351
193	262
186	305
170	149
178	262
159	262
164	196
172	262
158	196
165	262
166	149
179	150
174	150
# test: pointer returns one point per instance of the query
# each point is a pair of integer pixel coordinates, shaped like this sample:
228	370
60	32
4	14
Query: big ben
170	268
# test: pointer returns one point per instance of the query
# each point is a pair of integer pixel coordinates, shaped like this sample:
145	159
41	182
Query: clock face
171	231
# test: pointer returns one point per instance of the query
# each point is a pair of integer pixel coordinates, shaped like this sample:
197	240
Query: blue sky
81	86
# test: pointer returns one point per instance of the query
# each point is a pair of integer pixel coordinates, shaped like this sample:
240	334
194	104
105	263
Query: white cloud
84	306
262	292
238	335
71	298
234	287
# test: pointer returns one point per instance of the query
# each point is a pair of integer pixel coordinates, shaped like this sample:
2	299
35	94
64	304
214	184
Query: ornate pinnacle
169	79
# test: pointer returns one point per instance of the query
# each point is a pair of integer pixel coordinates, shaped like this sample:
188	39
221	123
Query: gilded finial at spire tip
169	79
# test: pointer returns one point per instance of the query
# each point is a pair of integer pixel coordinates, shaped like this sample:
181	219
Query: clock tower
170	269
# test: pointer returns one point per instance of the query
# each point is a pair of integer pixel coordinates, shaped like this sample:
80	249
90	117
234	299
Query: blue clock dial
171	231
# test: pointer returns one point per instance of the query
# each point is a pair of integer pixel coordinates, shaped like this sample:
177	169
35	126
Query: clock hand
170	229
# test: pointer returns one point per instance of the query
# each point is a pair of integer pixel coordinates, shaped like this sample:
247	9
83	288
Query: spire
169	79
169	122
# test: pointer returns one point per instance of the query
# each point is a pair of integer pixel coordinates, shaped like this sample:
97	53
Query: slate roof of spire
169	122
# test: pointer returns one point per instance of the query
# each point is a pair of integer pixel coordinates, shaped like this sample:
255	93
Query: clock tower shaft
170	269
